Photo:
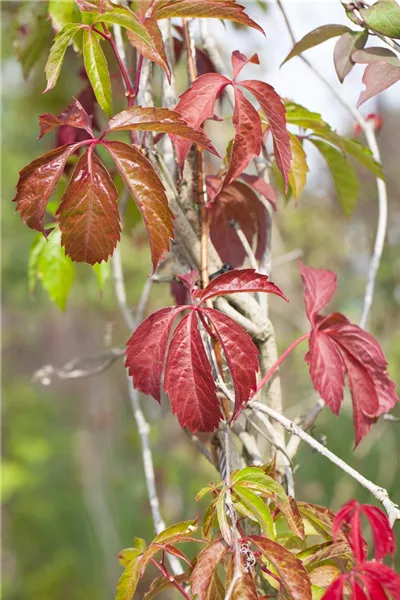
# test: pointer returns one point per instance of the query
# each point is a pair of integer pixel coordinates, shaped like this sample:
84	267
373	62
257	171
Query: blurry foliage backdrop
73	489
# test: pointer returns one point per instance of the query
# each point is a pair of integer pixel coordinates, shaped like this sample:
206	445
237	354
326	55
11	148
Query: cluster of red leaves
88	213
188	378
337	348
198	102
367	579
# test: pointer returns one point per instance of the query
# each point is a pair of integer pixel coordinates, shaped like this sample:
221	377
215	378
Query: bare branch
379	493
306	422
247	248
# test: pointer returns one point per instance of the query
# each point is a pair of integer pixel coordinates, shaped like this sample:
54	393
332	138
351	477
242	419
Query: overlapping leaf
97	69
205	568
188	378
383	17
316	37
348	43
338	348
238	203
74	116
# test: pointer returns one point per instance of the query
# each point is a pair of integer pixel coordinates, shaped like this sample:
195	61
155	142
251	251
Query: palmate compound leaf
188	378
238	203
88	214
148	193
338	348
293	575
218	9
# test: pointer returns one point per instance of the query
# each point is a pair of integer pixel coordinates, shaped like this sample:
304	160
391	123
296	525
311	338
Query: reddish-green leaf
320	518
205	567
189	381
238	280
74	116
97	70
348	43
159	119
326	551
217	9
88	213
316	37
155	50
292	515
293	575
208	521
222	517
37	182
57	53
274	109
148	193
247	141
175	533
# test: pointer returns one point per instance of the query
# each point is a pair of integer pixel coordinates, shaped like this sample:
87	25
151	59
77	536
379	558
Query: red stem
170	578
138	74
280	360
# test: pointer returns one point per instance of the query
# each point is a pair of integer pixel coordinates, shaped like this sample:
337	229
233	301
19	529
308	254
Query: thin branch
79	368
379	493
202	448
306	422
246	246
368	128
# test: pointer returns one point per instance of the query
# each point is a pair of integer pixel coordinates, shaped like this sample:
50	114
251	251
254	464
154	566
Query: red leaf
335	590
148	193
319	288
387	578
155	52
247	141
207	562
239	203
274	110
37	182
350	514
374	588
261	186
159	119
146	350
189	279
217	9
357	591
238	280
88	213
326	370
378	76
239	61
74	116
197	104
188	379
292	573
241	355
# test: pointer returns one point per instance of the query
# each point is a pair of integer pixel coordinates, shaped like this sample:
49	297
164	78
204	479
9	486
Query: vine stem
171	579
379	493
368	129
280	360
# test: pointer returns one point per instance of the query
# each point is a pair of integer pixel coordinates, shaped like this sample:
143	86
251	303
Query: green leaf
302	117
207	525
34	253
128	581
383	17
223	522
102	272
317	592
97	70
298	167
55	270
126	555
57	53
258	508
316	37
62	13
254	478
355	149
127	19
175	532
344	176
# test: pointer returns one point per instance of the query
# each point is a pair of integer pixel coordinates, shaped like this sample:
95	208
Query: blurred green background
73	490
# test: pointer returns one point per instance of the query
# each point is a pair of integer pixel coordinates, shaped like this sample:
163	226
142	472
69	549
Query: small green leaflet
257	507
383	17
344	176
97	70
49	265
102	272
127	19
62	13
57	53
